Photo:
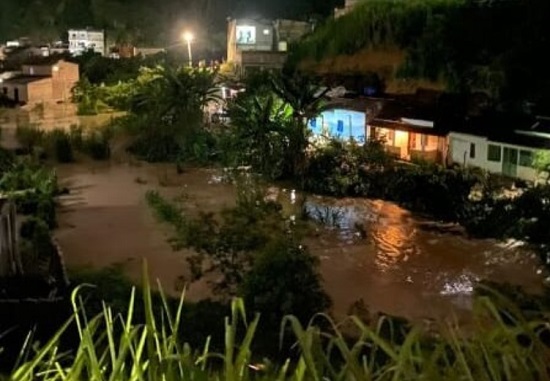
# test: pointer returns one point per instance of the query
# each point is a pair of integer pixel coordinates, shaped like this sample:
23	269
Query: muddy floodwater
370	251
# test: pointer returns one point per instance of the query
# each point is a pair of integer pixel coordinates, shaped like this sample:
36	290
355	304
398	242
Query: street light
188	37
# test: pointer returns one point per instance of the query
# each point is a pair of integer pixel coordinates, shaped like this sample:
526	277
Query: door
509	162
16	95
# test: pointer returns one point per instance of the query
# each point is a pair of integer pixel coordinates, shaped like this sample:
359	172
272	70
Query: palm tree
307	100
172	101
260	122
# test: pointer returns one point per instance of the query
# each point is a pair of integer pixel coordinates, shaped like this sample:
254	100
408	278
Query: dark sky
286	8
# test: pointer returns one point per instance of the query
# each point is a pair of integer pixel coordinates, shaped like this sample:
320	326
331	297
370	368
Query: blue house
339	123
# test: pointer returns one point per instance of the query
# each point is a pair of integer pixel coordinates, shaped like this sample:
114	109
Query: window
525	158
472	151
494	153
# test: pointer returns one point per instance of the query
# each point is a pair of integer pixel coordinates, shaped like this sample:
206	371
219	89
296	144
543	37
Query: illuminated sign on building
246	35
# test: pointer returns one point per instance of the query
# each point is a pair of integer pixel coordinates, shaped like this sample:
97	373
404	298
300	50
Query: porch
412	146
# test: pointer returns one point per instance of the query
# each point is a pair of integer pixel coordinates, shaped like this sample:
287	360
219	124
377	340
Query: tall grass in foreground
117	348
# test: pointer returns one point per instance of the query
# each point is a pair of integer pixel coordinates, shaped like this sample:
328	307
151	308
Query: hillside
494	46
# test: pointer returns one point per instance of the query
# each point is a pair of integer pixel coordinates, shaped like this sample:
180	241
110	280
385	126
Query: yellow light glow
188	36
401	139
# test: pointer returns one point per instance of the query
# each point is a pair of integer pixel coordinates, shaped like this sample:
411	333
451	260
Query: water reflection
379	252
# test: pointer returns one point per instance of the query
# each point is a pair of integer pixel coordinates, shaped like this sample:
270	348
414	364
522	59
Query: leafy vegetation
33	187
120	347
269	123
253	250
165	116
487	53
62	145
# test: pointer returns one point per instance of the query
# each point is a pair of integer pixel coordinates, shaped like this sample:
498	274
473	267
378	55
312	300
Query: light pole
188	37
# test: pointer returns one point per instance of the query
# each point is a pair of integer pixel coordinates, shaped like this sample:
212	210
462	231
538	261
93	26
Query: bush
283	281
61	146
346	169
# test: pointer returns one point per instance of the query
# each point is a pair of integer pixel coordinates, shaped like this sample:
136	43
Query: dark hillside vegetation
494	46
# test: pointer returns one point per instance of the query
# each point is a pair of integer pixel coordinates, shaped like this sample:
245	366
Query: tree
541	161
307	101
260	127
168	107
284	281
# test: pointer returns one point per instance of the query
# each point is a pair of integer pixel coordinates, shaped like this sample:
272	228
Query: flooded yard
372	252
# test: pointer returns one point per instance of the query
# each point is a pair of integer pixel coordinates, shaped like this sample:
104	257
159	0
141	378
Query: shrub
283	281
61	146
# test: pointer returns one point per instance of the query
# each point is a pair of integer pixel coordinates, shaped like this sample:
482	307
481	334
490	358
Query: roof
24	79
363	104
521	130
45	61
434	117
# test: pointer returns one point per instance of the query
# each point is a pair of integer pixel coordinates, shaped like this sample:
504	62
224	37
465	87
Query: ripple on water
397	259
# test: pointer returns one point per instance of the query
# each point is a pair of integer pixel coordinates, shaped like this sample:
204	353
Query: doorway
510	162
16	95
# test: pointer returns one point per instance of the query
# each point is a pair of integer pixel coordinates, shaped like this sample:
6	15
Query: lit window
266	31
494	153
525	158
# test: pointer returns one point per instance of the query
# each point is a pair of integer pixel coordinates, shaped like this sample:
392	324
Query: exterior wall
251	59
460	147
263	38
290	30
64	78
40	70
81	40
340	123
413	145
9	90
39	91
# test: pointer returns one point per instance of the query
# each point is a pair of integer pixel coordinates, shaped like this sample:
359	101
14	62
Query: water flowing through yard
371	252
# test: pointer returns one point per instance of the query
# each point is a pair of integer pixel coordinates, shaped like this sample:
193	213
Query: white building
82	40
260	43
508	150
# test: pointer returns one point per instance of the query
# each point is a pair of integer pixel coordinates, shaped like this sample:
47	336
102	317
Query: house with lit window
41	80
414	130
345	119
504	144
88	39
260	43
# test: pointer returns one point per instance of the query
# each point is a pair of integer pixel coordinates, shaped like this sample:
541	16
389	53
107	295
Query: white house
82	40
500	145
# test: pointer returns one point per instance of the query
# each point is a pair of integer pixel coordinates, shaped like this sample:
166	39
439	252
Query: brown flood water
398	267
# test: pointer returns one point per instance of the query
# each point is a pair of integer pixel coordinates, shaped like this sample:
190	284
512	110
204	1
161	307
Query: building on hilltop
83	40
42	80
261	43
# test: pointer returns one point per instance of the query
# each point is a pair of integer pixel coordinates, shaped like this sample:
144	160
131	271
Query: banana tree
307	100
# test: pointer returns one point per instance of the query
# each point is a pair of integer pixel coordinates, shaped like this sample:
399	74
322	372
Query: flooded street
371	252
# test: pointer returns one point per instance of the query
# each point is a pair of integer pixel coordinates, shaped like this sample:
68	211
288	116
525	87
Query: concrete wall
263	41
81	40
39	91
353	124
460	149
39	70
9	90
63	80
